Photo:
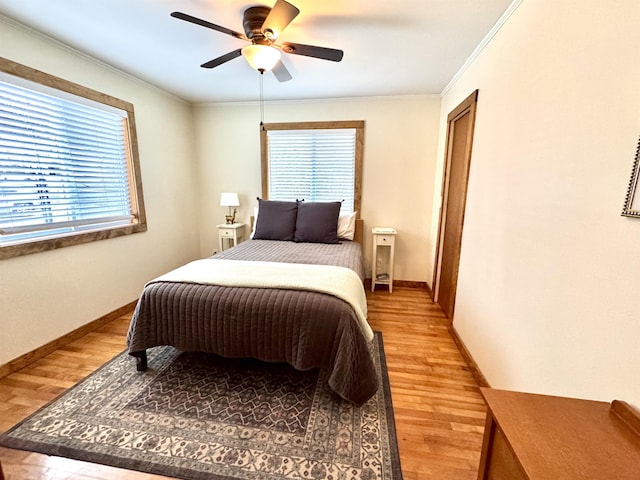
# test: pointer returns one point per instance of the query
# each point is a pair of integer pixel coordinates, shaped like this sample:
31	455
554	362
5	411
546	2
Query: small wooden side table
541	437
381	275
232	232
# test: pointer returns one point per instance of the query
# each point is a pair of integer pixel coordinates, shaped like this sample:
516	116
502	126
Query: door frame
468	105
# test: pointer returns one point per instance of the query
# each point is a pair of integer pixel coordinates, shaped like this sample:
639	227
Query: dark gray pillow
276	220
317	222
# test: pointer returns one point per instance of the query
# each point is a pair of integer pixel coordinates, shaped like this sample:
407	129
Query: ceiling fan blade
311	51
224	58
279	17
204	23
281	72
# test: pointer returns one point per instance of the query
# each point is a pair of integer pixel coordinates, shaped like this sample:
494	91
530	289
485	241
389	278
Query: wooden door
460	124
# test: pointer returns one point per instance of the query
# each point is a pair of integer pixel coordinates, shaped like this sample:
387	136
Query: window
69	170
317	161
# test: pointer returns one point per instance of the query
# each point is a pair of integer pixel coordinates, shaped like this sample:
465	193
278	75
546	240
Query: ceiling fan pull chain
261	100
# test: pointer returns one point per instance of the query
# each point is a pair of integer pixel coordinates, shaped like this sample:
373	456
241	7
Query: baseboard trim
40	352
475	370
412	284
404	283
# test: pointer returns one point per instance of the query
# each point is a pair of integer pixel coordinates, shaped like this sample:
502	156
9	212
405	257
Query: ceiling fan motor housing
254	18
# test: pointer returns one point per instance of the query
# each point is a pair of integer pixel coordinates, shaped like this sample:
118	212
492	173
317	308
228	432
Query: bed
310	316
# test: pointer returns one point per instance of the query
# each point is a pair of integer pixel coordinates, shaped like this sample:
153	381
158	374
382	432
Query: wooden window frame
358	125
139	224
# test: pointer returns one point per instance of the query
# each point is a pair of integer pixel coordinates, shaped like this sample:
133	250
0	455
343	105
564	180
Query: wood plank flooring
438	409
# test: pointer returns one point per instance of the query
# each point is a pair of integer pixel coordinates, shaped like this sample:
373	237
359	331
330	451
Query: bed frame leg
141	360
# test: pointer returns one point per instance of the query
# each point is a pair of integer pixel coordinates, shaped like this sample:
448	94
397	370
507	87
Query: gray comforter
305	329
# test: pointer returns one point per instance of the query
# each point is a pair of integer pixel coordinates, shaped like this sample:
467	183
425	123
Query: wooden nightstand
232	232
382	274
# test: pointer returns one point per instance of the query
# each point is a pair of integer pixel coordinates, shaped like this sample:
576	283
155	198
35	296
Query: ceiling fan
262	26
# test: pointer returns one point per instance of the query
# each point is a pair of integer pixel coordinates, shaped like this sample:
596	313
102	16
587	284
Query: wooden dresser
539	437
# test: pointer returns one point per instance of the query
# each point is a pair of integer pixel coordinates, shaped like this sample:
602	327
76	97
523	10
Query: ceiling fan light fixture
261	57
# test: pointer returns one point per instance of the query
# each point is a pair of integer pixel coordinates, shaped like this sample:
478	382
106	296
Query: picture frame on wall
631	206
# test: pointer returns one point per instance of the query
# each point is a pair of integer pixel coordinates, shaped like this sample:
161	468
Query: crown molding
481	46
84	56
387	98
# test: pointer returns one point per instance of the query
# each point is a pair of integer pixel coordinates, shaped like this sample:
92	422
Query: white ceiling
391	47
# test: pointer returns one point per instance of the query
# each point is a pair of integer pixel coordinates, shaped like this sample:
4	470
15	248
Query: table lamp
230	200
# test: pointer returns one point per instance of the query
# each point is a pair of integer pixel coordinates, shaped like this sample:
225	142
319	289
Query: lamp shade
261	57
229	200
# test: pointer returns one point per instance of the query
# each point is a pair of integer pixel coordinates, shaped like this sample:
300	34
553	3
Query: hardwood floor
438	409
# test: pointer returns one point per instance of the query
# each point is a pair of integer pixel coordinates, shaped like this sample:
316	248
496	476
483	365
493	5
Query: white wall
401	137
548	293
48	294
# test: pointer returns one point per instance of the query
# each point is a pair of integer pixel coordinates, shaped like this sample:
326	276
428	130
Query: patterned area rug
199	416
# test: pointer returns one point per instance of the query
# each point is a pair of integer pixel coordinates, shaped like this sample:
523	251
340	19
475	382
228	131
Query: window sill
11	251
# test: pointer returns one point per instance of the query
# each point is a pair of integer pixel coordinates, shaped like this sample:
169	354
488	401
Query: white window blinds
63	165
316	165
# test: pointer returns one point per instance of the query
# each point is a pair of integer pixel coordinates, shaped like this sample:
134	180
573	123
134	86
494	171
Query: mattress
303	328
